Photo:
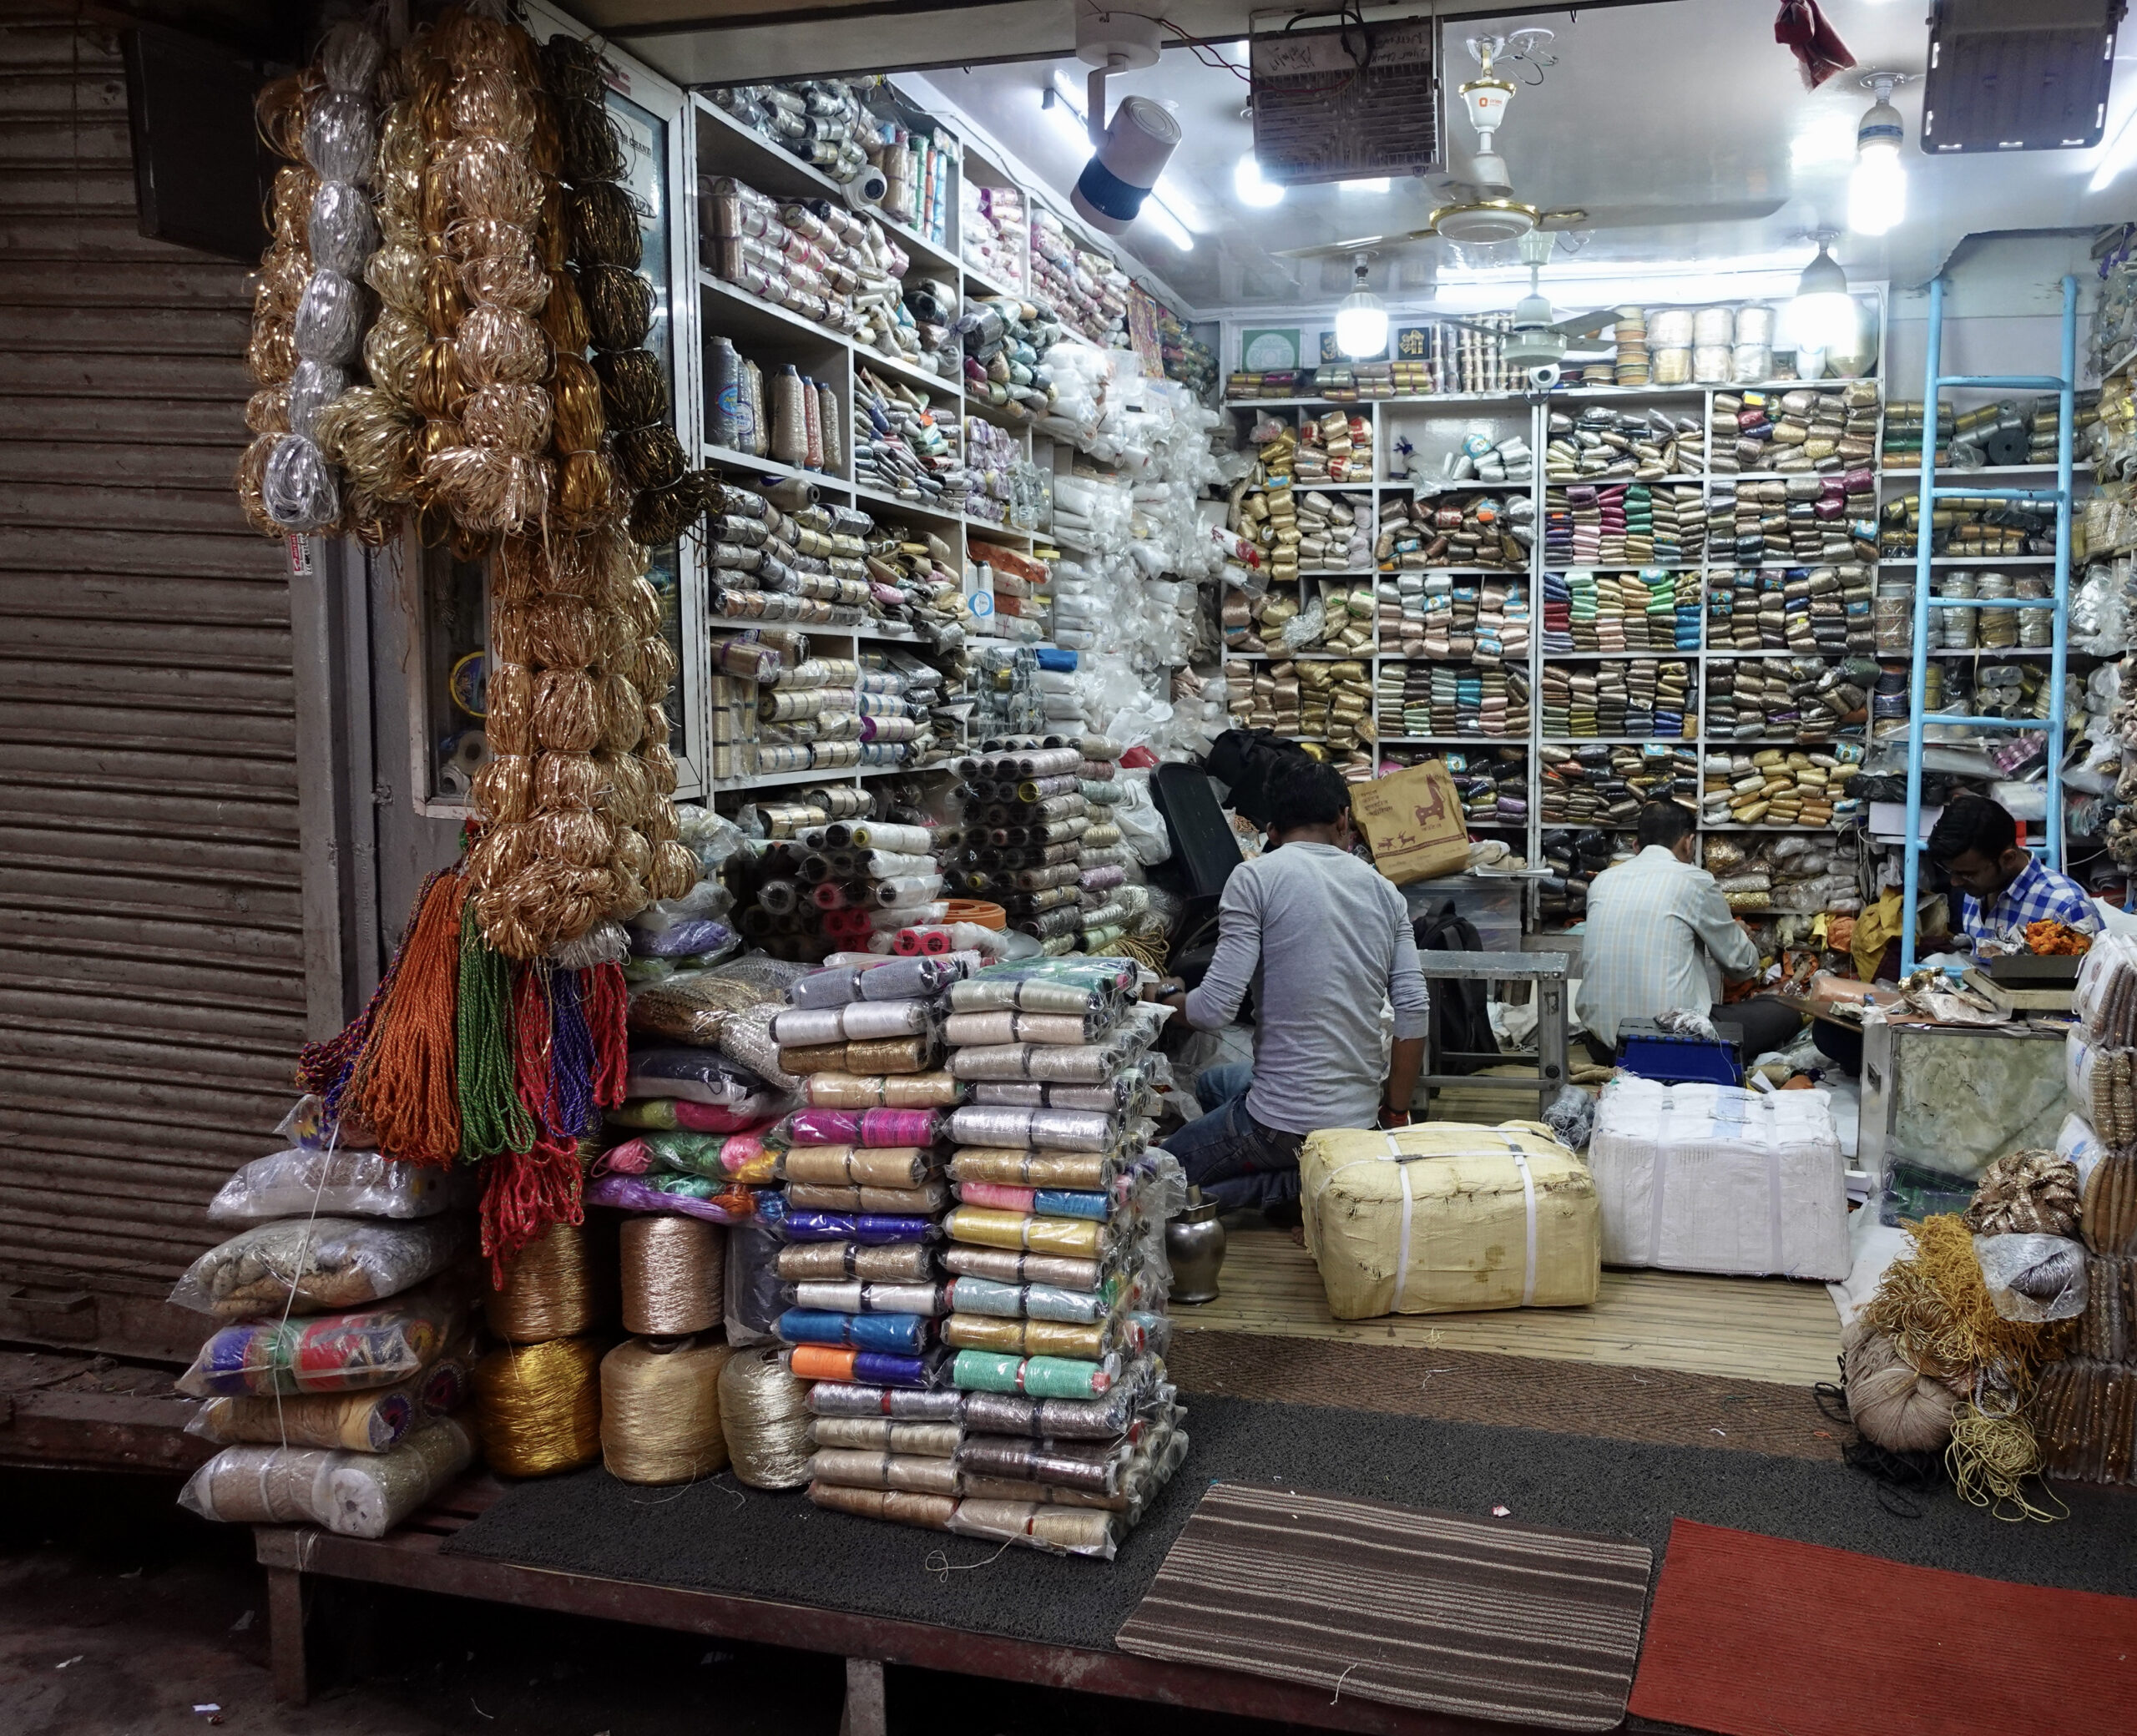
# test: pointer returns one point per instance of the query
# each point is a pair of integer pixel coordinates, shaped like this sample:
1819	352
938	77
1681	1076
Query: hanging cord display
271	356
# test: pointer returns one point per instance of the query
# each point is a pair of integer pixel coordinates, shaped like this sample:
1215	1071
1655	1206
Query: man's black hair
1305	791
1975	823
1664	823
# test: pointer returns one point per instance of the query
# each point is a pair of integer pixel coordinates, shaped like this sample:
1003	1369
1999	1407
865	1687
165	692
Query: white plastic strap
1399	1158
1528	1213
1770	1126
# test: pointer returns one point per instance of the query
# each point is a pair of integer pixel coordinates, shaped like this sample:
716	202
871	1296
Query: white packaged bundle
357	1495
1717	1178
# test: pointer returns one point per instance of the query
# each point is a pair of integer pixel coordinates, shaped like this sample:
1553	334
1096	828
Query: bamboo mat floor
1761	1329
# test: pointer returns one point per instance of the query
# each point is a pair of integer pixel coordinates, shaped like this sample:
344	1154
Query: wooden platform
410	1557
1764	1329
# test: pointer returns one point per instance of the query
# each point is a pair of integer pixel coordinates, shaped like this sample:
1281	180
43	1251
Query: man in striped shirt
1976	843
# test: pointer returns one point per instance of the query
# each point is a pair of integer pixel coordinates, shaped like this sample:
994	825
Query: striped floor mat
1472	1617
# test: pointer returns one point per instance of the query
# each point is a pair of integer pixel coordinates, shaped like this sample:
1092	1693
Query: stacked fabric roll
1049	1422
1806	429
818	259
1774	787
1795	698
1454	529
1003	339
1639	697
1111	903
1085	290
1334	533
995	231
901	448
1607	785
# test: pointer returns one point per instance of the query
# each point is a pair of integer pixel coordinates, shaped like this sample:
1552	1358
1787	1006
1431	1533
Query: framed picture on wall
1330	354
1269	349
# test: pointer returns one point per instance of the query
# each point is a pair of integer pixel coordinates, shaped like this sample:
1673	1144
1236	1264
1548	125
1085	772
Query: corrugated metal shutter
152	946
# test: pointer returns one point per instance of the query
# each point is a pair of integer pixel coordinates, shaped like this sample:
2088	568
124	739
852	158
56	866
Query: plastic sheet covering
889	1055
1045	1377
1003	1265
1038	1129
746	1040
739	1157
1095	1469
2033	1278
855	1296
1006	1025
694	1005
1080	1238
931	1512
832	1262
1045	1201
976	1165
1060	1530
874	1368
754	1296
894	1202
316	1264
862	1091
872	1166
723	1201
663	1112
360	1422
878	1434
871	1127
355	1495
813	1226
895	1334
305	1179
1026	1337
1038	1301
857	1021
698	1076
1446	1217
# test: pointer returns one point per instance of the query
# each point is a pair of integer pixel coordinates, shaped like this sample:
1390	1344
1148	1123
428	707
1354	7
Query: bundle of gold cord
285	268
1935	1305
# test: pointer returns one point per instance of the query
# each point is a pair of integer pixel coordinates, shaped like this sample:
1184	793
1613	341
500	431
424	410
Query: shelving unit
1445	418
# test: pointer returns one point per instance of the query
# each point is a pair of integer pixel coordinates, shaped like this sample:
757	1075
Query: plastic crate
1670	1057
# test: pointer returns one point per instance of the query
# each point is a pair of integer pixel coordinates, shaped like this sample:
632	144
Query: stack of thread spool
818	259
1334	448
1024	816
1602	444
1794	699
995	230
790	419
1050	1422
660	1388
1454	529
1084	289
1777	787
1112	903
801	563
537	1398
1629	335
2087	1405
1004	341
1571	859
1905	420
1334	533
1639	697
1607	785
1807	429
1439	701
901	448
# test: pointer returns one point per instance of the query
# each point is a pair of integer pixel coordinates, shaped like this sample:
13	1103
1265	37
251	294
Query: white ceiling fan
1536	340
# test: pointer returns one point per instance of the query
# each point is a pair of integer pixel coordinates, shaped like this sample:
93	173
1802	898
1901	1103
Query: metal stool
1547	971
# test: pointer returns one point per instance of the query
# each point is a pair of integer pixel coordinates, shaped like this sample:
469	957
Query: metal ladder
2066	388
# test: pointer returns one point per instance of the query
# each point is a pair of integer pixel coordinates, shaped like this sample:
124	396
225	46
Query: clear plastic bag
355	1495
316	1265
357	1422
305	1178
697	1075
2033	1278
331	1353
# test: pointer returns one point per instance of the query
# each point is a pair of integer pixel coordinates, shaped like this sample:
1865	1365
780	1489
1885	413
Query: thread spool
790	424
764	1419
539	1406
553	1288
660	1411
674	1275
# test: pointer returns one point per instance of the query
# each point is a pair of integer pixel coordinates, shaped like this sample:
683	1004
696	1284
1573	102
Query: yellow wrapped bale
1448	1217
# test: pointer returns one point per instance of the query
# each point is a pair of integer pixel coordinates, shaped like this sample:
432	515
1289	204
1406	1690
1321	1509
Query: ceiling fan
1482	209
1536	340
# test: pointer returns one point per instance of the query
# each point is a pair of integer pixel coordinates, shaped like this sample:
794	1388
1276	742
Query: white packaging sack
1716	1178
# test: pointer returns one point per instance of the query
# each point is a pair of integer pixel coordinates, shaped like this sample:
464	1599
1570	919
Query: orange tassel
403	1084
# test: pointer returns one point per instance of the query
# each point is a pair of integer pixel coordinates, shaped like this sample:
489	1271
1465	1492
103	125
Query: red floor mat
1756	1636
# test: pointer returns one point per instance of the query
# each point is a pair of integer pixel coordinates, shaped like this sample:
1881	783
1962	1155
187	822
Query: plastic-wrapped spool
660	1411
1894	615
552	1288
539	1406
1712	326
673	1276
1711	363
765	1418
755	422
1672	366
2036	626
789	418
1749	363
1669	328
1958	624
813	422
834	457
1754	323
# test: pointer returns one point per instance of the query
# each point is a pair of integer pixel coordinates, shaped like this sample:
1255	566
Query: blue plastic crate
1669	1057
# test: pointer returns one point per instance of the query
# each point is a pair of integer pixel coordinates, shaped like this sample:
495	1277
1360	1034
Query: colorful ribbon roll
1044	1377
815	1226
874	1368
1078	1238
891	1334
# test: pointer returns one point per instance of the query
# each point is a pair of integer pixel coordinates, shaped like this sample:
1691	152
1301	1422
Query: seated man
1324	942
1661	937
1976	843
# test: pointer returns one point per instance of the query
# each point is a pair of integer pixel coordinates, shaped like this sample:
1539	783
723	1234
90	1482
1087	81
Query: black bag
1241	760
1461	1012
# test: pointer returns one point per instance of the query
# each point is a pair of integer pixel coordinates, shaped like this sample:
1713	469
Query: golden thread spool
674	1275
539	1406
552	1288
765	1418
660	1411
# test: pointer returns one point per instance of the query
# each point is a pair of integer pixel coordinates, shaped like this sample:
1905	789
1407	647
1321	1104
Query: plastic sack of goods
1718	1178
1444	1218
357	1495
316	1264
305	1179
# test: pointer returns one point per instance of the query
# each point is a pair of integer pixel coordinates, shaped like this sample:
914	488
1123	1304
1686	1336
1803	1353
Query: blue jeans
1230	1156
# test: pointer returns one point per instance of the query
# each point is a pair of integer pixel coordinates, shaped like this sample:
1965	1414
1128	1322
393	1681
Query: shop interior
889	541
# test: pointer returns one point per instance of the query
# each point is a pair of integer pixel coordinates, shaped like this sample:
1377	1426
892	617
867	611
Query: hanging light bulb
1251	189
1876	190
1823	315
1361	318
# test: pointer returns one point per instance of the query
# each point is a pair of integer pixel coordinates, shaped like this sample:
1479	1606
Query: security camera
1544	378
1132	154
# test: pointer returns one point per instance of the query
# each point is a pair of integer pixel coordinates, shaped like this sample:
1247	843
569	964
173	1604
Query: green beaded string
492	1119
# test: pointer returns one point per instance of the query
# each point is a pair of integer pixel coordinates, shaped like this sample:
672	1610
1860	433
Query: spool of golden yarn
551	1289
764	1417
660	1411
674	1275
539	1406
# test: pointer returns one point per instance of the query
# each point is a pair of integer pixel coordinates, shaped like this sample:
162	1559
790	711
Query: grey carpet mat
716	1536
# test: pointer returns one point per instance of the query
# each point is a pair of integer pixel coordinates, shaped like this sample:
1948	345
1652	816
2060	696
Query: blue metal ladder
2066	389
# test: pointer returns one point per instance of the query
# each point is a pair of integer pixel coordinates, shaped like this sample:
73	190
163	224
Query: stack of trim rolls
1026	809
1046	1419
1110	905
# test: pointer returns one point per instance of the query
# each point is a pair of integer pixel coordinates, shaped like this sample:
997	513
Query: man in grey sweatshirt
1325	943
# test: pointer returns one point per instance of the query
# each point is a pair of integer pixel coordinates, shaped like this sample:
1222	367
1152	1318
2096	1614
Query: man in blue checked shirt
1976	843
